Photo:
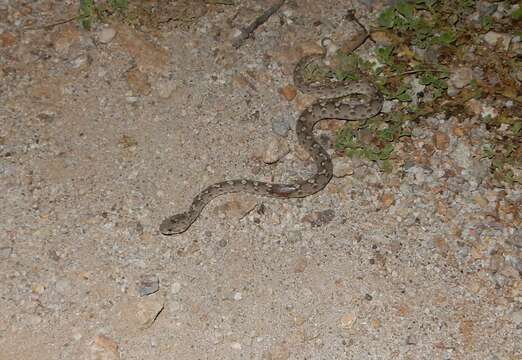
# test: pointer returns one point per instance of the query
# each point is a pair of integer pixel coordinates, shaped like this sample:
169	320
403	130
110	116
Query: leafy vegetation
89	11
423	39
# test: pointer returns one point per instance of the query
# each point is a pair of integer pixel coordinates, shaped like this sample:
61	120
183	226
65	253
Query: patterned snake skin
336	100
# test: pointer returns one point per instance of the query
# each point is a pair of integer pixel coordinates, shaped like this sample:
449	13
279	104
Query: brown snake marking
329	106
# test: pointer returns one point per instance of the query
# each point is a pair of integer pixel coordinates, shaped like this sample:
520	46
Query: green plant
488	151
486	22
89	11
517	14
119	5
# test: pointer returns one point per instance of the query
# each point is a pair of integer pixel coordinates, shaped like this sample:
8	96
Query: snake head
175	224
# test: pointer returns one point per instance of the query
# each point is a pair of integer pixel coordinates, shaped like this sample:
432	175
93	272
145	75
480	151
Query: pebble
235	346
517	317
461	77
147	311
300	265
441	140
342	166
347	321
481	201
289	92
5	252
276	149
34	319
236	207
165	88
138	82
7	39
38	289
106	35
278	352
148	284
474	106
319	218
237	296
149	57
63	286
293	237
311	48
64	38
376	324
411	340
175	288
387	200
501	39
80	61
280	126
107	344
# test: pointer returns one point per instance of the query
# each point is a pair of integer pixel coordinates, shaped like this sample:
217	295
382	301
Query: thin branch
60	22
247	31
415	72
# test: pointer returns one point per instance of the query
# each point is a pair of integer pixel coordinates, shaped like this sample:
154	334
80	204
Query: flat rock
149	57
237	206
106	35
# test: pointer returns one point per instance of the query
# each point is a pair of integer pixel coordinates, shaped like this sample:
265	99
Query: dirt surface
106	132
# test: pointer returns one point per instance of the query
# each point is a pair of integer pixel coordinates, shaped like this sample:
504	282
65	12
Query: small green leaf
386	134
86	13
486	22
516	127
487	119
517	14
488	151
404	97
384	54
405	9
119	5
387	166
446	38
387	18
386	152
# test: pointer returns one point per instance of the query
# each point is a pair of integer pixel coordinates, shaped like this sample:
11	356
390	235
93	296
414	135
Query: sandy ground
106	132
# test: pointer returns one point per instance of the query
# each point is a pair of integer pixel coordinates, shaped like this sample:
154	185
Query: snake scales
336	100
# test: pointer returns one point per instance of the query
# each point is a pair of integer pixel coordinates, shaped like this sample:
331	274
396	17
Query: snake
351	100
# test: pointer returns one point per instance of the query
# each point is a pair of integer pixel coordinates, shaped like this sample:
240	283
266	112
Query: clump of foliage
89	10
426	38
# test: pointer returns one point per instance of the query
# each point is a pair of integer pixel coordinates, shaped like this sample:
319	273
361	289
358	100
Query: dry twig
247	31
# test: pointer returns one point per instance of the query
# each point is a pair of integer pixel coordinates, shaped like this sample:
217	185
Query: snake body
336	100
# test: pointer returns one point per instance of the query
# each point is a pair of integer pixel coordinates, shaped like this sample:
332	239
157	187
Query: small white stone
517	317
493	38
342	167
165	88
106	35
80	61
236	346
63	286
238	296
461	77
175	288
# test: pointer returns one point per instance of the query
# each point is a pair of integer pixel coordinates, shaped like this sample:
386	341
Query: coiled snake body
335	101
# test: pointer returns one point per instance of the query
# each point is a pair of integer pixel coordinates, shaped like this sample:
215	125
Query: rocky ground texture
104	132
